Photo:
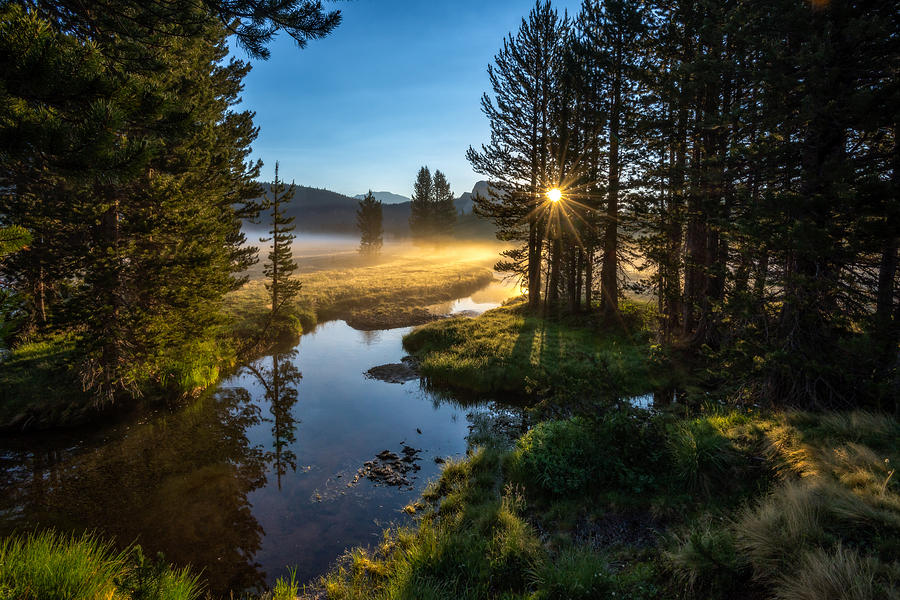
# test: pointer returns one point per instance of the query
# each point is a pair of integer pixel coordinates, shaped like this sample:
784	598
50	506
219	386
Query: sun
554	195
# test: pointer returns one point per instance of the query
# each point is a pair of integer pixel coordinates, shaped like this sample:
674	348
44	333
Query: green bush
620	451
630	456
575	574
702	457
706	559
558	456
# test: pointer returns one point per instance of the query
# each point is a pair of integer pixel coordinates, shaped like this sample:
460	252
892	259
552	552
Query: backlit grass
51	566
388	294
509	350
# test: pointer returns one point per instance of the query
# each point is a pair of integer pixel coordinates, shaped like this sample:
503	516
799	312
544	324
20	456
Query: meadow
394	289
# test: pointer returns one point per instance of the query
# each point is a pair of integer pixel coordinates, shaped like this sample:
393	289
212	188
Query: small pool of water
483	300
254	476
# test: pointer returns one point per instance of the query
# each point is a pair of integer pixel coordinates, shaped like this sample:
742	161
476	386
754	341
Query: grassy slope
725	505
509	350
632	504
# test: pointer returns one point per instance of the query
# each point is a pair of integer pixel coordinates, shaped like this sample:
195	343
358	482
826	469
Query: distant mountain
464	202
320	210
386	197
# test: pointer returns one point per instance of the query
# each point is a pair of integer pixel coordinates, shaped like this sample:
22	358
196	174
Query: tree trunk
609	293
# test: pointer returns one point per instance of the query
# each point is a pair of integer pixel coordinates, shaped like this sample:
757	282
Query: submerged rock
401	372
389	468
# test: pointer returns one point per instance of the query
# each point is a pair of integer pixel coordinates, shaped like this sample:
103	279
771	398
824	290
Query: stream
277	467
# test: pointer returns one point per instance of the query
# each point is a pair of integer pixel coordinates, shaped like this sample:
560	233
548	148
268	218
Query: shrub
619	452
630	453
558	456
707	560
702	457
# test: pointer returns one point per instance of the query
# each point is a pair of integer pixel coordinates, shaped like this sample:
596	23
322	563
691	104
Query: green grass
50	566
508	350
784	505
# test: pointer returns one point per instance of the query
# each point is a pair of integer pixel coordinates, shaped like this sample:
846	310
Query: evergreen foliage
743	158
280	266
254	23
126	165
432	211
443	210
420	218
368	221
517	160
127	181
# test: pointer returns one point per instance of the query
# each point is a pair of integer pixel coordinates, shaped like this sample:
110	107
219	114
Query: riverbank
621	501
727	505
39	383
510	351
385	295
630	504
711	502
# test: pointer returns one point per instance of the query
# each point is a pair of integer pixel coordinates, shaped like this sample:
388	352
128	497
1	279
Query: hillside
386	197
321	210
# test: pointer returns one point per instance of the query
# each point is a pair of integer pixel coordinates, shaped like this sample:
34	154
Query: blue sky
396	86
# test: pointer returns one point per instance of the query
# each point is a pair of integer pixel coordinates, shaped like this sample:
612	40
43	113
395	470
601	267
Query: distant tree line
124	160
432	212
741	157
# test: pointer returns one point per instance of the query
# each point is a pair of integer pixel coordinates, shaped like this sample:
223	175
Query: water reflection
177	483
370	337
247	480
279	380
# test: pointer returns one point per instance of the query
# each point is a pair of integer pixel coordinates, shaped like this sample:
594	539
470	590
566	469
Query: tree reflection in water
280	383
177	484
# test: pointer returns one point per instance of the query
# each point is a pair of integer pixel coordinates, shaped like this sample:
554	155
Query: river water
256	475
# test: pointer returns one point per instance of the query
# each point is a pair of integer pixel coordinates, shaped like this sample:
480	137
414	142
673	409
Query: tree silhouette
368	222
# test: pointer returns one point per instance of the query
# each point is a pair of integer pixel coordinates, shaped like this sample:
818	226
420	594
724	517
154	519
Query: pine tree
443	212
421	207
517	160
13	239
369	224
280	267
254	23
128	182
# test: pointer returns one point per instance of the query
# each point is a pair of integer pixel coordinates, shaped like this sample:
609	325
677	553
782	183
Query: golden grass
391	293
830	529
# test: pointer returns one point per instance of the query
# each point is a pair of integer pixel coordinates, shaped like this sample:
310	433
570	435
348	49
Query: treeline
742	157
432	211
123	159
